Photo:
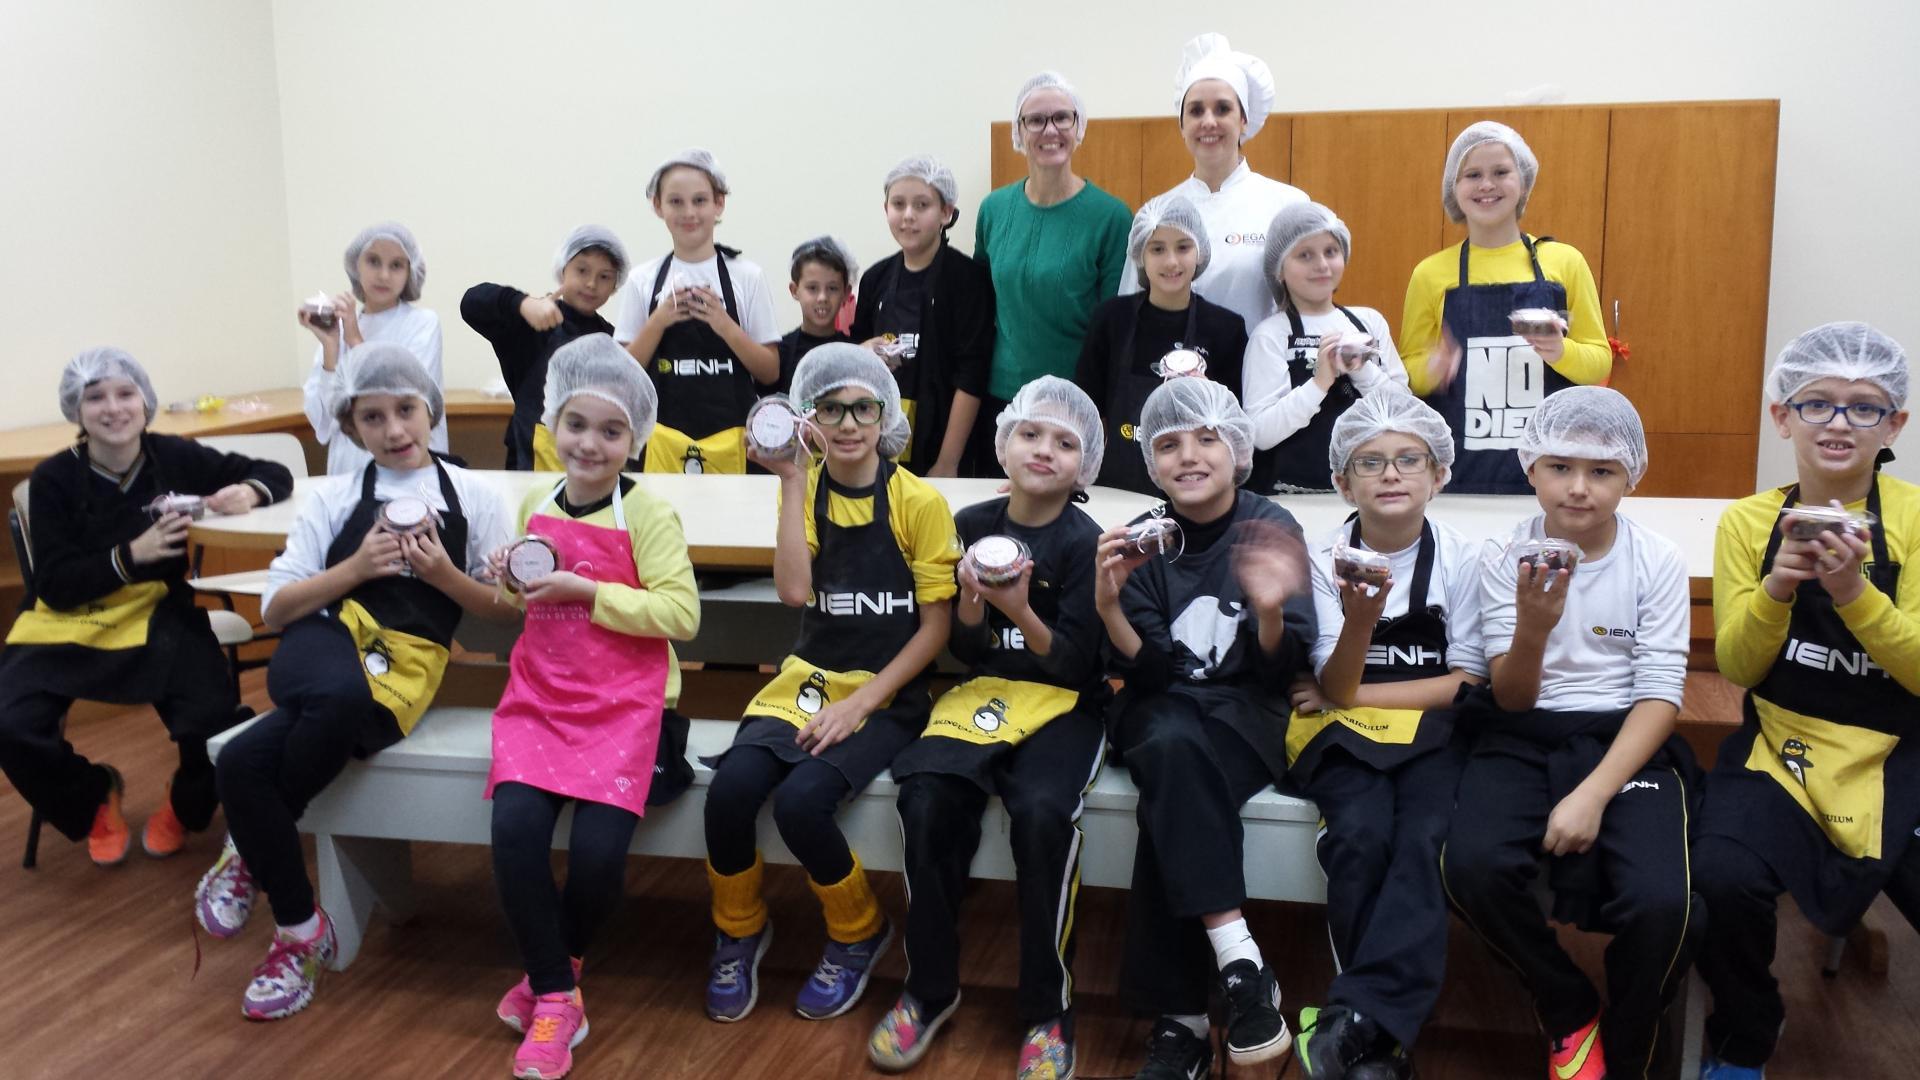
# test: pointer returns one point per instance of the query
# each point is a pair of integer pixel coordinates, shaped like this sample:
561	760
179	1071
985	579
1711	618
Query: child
823	276
1575	754
525	330
932	307
386	273
1296	381
1120	359
1814	795
1458	306
700	323
108	615
582	718
1025	725
1207	644
868	550
369	613
1371	740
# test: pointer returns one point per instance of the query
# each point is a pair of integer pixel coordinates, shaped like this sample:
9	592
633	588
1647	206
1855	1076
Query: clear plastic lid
1156	536
1550	552
530	558
406	513
678	281
318	303
1361	567
1181	363
175	503
773	425
997	560
1808	522
1538	321
1355	349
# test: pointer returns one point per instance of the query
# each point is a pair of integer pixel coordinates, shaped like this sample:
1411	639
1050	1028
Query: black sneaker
1334	1041
1175	1053
1256	1031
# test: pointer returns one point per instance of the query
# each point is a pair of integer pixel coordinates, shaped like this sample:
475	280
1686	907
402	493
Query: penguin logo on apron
378	658
990	716
695	462
813	696
1793	757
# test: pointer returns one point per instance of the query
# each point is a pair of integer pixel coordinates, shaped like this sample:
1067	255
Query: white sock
1233	942
305	931
1196	1023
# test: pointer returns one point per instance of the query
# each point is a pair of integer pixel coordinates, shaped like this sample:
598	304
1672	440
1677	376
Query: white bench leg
356	874
1693	1026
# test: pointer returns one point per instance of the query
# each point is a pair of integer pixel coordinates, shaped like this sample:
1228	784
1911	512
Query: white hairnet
1852	351
399	234
382	367
1487	131
1190	404
593	236
1294	223
693	157
826	249
105	362
597	366
1210	57
928	170
842	363
1593	422
1047	80
1051	399
1390	408
1176	211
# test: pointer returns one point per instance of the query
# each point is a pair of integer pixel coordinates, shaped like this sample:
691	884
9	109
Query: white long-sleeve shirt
1623	637
1276	406
402	324
1236	218
1454	587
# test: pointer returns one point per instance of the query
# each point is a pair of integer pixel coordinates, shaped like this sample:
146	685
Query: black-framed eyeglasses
1860	414
866	411
1369	465
1064	120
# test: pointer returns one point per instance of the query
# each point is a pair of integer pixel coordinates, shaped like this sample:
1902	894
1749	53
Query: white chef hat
1210	57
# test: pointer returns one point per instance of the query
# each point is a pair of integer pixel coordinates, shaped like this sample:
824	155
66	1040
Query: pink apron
581	712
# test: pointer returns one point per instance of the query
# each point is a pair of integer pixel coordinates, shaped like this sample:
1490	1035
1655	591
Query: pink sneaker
223	902
516	1008
559	1024
284	982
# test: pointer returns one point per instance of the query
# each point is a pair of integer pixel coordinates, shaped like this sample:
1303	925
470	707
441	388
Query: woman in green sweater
1054	243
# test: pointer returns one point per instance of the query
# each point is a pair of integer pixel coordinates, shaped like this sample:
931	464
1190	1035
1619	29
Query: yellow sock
853	914
738	909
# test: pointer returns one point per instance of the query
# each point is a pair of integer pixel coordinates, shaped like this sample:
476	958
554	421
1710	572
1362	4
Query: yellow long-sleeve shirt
922	526
1750	627
1588	359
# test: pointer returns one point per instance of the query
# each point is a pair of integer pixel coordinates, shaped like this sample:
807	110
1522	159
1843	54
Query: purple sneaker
284	982
733	975
223	901
841	978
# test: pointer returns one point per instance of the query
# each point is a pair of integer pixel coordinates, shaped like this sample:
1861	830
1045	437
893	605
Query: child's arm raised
842	718
1113	567
792	554
1890	636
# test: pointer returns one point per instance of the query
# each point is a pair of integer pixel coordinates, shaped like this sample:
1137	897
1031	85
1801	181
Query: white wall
142	199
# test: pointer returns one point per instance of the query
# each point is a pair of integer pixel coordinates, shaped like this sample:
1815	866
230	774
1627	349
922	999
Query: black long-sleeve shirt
1060	593
494	313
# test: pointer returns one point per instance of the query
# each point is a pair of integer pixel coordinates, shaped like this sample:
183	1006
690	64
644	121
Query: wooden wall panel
1110	157
1690	466
1569	201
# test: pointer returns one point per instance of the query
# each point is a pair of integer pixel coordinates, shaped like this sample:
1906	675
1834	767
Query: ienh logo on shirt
1505	381
669	366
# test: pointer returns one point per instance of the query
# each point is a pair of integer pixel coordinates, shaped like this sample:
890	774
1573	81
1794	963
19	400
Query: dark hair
825	256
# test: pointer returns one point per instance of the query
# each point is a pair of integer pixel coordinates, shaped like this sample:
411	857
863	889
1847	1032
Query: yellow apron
1388	727
402	670
118	620
1836	772
989	710
909	408
546	456
672	451
801	690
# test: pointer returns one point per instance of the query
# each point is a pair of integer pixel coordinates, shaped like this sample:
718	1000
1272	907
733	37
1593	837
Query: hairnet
382	367
1178	212
593	236
1487	131
826	249
399	234
928	170
599	367
1051	399
1592	422
1190	404
1852	351
842	363
105	362
1047	80
1210	57
1294	223
692	157
1390	408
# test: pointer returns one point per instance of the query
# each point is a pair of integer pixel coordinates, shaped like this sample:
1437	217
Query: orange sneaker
1579	1056
163	835
109	838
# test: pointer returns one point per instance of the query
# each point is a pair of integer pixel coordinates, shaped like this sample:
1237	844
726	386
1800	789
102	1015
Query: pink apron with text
581	712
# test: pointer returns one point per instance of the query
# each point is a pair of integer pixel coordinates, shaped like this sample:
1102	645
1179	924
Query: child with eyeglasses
1813	795
868	550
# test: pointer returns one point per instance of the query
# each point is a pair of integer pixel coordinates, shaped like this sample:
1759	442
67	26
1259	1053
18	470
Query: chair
230	628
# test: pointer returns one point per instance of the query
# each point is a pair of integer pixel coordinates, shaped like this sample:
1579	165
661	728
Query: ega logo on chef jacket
1505	380
1244	238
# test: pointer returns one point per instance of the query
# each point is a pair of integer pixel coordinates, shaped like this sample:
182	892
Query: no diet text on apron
918	378
1299	464
705	390
1127	392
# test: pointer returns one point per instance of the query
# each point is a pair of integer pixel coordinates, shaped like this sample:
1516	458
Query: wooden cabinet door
1393	210
1569	200
1109	158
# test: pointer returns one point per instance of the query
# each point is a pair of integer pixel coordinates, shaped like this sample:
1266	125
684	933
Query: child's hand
1307	697
164	539
944	468
423	552
541	312
1112	566
348	311
1360	604
675	307
831	725
1010	598
1795	562
1443	360
1270	562
378	555
1540	598
786	468
234	499
305	318
707	306
562	587
1328	366
1837	564
1551	347
497	563
1575	823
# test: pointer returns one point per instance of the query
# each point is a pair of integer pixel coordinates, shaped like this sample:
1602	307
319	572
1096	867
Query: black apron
1818	781
863	612
1299	464
921	381
1501	380
1409	646
704	389
1125	465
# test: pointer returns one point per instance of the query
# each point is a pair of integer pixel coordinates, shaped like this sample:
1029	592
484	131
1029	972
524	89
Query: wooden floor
100	978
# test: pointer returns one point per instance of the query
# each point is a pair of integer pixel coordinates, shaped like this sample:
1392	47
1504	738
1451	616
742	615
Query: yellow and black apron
705	390
1299	464
920	377
1818	781
1128	386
